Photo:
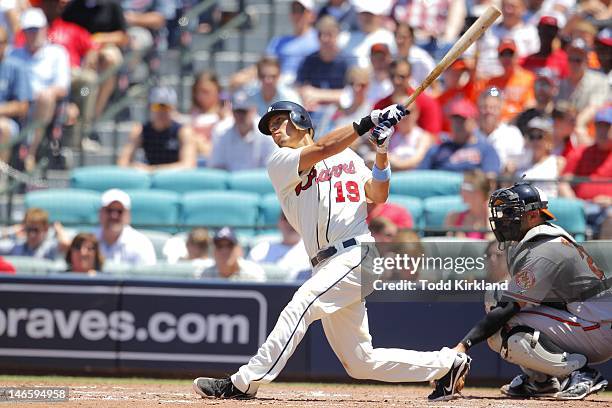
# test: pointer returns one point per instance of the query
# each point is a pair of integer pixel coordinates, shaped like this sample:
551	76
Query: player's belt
331	251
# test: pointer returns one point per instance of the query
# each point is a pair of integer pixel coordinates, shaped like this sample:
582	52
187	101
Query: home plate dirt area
138	392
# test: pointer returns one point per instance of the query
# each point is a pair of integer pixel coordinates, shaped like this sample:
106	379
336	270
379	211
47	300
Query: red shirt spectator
594	162
75	39
431	114
557	60
6	267
396	214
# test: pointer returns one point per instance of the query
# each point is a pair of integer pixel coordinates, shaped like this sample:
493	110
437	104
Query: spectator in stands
396	214
371	15
512	27
15	96
496	263
545	88
288	252
437	24
430	118
229	263
595	162
48	71
475	191
380	80
268	89
198	248
382	229
565	139
506	139
581	28
166	143
516	83
321	76
541	163
409	143
6	266
84	254
119	242
241	146
586	89
354	103
343	11
459	83
404	243
421	63
105	22
32	237
9	18
603	48
464	150
207	111
145	19
555	59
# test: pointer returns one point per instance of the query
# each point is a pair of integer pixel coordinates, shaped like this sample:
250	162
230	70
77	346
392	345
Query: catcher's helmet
298	115
509	205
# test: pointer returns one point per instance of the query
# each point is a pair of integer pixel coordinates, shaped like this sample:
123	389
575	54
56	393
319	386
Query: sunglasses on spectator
575	59
506	54
224	245
114	210
400	76
160	107
86	246
535	135
33	230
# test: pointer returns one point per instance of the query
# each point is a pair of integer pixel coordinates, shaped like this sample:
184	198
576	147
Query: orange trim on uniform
562	320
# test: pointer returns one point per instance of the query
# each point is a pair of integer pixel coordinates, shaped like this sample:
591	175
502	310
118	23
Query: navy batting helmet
509	205
297	114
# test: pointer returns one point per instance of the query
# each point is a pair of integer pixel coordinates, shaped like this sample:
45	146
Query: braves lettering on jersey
326	204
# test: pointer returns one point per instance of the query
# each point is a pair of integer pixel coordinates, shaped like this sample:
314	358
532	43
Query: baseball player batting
323	188
555	319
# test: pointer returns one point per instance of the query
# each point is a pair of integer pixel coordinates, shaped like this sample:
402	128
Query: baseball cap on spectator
578	44
163	96
604	115
115	195
33	18
506	45
549	21
307	4
241	101
549	75
376	7
380	47
464	108
605	37
540	123
227	234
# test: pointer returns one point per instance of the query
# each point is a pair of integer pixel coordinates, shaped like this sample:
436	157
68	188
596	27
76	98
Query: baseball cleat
453	381
218	388
524	387
583	382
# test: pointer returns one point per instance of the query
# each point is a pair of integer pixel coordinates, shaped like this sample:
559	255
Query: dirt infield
131	393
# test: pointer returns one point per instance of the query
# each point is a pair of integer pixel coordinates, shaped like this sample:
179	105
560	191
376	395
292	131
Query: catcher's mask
297	114
508	208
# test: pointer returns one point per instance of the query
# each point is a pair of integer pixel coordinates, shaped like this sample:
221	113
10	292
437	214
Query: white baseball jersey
326	204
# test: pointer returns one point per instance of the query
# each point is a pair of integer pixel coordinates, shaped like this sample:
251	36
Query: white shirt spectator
292	258
404	147
49	66
132	247
509	143
421	64
547	169
233	152
248	272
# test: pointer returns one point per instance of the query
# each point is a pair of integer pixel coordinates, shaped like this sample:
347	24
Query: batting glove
392	113
381	135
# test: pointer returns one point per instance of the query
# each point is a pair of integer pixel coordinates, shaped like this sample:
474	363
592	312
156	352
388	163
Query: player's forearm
490	324
336	141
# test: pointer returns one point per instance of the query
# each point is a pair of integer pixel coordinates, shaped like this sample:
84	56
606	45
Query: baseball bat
462	44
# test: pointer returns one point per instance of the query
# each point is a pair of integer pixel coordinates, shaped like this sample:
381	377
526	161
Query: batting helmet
509	205
297	114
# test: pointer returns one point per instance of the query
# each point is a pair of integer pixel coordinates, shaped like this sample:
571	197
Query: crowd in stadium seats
532	99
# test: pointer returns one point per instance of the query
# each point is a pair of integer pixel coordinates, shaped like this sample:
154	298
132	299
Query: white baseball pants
334	295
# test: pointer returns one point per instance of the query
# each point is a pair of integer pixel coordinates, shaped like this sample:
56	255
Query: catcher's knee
532	349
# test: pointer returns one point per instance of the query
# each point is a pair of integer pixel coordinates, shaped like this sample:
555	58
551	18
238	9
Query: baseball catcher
555	319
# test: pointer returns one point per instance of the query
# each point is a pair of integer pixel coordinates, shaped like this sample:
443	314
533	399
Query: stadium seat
270	211
158	239
426	183
275	273
184	181
436	209
253	181
26	265
72	207
102	178
221	208
570	215
414	206
155	209
180	270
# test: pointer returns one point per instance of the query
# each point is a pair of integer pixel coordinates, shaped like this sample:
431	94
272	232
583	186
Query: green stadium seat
155	209
275	273
253	181
184	181
102	178
570	215
180	270
26	265
426	183
73	207
221	208
414	206
270	209
158	239
436	209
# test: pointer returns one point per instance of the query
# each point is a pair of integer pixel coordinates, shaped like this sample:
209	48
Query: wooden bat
462	44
